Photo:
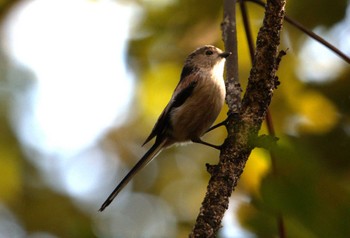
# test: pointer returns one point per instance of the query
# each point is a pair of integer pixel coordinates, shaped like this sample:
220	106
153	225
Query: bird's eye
209	52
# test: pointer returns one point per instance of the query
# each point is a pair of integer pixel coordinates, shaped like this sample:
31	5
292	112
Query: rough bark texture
243	126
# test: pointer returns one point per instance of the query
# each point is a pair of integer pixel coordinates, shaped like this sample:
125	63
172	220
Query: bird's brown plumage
192	109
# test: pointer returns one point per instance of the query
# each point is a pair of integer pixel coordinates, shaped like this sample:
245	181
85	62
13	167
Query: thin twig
247	28
313	35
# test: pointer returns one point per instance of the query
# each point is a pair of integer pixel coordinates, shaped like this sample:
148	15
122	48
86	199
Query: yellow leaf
157	86
318	114
257	166
10	179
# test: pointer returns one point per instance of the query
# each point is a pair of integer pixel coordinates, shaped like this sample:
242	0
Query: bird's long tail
150	154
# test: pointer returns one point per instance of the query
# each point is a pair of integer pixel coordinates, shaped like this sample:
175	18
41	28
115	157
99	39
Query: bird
194	106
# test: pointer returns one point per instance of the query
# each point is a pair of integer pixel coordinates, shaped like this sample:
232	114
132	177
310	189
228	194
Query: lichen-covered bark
245	125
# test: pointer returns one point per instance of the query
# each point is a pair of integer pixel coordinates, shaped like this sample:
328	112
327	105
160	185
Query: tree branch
229	36
269	122
237	148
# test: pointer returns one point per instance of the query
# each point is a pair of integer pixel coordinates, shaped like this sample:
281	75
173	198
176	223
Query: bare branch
229	36
237	147
269	122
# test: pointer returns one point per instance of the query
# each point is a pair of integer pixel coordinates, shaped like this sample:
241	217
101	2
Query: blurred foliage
312	15
310	187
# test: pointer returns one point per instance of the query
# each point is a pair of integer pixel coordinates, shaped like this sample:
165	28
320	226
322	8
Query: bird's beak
225	54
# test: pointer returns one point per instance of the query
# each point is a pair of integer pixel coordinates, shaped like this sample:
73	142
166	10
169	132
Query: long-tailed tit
192	109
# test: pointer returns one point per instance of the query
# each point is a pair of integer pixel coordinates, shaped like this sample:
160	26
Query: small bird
192	109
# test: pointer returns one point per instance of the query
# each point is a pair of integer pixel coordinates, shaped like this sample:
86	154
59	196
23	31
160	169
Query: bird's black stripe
185	93
187	70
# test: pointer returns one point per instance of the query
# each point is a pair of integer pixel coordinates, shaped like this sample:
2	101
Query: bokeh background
83	82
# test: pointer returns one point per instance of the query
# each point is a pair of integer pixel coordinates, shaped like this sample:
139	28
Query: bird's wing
183	91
